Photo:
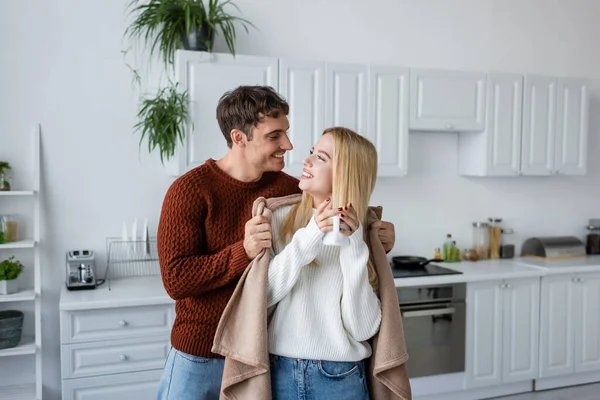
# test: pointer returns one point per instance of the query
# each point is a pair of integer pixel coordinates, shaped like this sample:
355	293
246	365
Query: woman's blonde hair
354	177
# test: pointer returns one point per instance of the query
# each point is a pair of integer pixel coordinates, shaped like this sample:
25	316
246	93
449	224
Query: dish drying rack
131	258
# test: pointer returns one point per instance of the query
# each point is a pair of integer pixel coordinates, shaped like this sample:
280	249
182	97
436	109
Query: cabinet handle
122	323
449	126
502	285
123	357
507	286
579	280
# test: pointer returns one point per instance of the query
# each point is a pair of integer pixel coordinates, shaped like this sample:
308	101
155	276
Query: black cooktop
428	270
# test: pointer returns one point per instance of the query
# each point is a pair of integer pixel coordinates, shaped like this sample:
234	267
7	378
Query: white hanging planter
9	287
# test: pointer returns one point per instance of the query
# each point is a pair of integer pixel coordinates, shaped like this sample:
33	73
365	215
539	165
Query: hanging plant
162	120
165	26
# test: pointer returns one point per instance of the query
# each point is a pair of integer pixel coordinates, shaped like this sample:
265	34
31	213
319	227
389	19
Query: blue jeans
188	377
315	379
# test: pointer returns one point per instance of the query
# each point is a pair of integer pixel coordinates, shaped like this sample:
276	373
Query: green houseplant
191	24
162	120
9	271
165	26
4	181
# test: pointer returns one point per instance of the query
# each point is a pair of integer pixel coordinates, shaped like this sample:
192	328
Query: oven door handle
430	312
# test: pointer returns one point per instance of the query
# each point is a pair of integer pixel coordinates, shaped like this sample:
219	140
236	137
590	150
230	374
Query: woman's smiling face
317	175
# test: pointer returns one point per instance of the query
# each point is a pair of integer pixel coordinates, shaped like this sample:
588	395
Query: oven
434	328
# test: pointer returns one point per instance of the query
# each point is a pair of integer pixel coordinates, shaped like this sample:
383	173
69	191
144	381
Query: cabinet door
539	116
207	77
447	100
571	127
503	126
521	307
557	320
346	96
302	83
587	328
483	356
134	385
388	118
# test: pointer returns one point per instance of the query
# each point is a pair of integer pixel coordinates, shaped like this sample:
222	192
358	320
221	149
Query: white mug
335	237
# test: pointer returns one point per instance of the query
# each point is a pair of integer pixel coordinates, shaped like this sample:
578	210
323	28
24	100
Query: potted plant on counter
4	179
9	272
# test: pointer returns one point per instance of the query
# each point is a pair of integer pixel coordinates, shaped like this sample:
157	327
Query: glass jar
481	240
495	229
592	242
5	181
507	249
2	228
10	228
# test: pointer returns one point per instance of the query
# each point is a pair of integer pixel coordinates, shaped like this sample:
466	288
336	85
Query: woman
322	299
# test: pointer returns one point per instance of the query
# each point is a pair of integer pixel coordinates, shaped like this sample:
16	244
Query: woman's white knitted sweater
325	311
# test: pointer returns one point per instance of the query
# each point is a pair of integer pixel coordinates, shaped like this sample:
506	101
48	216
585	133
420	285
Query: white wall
60	64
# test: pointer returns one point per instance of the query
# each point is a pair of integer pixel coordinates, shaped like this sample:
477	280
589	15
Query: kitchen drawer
130	386
116	323
113	357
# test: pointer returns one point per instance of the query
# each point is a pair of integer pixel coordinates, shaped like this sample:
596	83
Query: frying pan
412	262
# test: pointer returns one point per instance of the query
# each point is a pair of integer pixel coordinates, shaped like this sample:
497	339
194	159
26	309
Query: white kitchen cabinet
388	118
302	84
497	150
113	344
571	127
130	386
539	117
502	332
570	324
207	77
535	126
346	88
555	123
447	100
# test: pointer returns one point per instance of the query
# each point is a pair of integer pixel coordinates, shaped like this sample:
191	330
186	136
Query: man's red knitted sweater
200	246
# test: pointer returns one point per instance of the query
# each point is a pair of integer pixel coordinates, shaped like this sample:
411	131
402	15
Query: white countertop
579	265
486	270
149	290
125	292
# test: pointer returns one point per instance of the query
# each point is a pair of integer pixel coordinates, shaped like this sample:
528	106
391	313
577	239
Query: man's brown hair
246	106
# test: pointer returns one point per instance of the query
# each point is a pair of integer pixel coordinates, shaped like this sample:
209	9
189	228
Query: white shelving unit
29	345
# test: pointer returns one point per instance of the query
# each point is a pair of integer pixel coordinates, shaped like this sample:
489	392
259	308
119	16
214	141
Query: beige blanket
241	336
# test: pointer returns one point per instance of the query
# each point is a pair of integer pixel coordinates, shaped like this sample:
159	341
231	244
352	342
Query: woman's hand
348	216
324	214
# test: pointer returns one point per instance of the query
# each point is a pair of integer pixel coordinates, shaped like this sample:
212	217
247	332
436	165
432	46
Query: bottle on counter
437	255
447	248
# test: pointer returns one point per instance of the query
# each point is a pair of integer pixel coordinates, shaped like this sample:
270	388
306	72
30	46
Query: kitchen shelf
17	193
21	295
22	244
31	344
27	346
21	392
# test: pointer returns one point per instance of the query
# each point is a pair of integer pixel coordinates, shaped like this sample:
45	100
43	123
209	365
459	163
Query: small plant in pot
4	179
191	24
9	272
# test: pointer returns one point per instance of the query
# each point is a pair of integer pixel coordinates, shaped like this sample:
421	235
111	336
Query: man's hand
257	236
387	235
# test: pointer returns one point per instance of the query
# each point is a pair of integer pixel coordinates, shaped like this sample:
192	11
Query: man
204	241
